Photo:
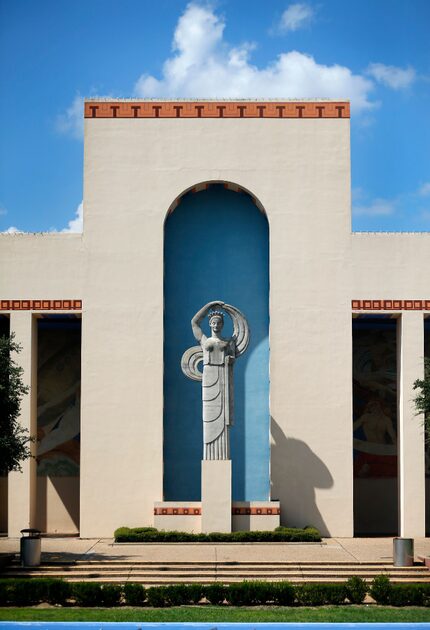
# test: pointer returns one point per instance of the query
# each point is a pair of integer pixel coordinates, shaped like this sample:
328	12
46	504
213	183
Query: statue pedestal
216	496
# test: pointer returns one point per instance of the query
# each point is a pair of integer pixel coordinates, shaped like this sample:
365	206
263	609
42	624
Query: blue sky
55	52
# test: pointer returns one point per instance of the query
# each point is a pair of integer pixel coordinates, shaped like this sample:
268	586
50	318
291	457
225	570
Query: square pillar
22	485
216	496
411	470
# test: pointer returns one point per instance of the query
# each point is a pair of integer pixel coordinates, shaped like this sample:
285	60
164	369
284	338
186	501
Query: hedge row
280	534
28	592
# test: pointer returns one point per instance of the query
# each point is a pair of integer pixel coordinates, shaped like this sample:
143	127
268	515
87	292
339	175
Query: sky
53	53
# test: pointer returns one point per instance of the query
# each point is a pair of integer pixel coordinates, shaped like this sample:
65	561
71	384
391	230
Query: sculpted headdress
216	314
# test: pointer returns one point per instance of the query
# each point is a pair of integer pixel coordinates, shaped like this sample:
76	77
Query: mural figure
218	356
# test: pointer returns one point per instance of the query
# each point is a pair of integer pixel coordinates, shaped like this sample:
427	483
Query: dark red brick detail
40	305
390	305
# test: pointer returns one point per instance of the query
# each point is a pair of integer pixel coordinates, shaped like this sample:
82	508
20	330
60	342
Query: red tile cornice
217	109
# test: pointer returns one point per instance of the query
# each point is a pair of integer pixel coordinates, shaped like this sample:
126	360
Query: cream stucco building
251	199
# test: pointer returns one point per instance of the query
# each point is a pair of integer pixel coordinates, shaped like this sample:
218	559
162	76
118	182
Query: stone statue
218	356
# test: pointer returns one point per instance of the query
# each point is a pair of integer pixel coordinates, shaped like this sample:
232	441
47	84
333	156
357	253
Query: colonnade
22	495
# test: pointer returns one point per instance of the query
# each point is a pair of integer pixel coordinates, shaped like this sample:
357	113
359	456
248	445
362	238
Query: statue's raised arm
240	328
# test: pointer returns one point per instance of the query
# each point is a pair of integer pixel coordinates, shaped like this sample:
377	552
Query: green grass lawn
220	613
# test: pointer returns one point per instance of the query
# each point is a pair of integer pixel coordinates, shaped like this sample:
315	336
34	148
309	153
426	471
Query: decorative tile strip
191	511
216	109
179	511
40	305
390	305
256	511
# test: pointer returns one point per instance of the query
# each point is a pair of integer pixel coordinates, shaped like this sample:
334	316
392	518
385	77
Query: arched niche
216	246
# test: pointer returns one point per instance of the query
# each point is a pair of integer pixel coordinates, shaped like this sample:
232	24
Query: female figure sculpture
218	356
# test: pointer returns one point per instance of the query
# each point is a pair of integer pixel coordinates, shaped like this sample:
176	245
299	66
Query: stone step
174	576
218	568
227	566
230	580
153	573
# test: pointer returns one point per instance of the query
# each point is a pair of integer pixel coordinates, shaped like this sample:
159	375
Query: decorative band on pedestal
256	511
179	511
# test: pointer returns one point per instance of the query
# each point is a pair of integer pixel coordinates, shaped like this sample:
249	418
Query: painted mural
58	398
375	398
427	354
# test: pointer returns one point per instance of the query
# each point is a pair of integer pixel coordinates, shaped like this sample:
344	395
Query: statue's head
216	321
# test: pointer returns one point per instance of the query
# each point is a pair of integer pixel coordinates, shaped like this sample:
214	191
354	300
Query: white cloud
71	123
204	65
296	16
424	190
76	224
376	208
392	76
12	230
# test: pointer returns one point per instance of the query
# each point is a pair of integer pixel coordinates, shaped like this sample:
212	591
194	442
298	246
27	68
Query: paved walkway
329	550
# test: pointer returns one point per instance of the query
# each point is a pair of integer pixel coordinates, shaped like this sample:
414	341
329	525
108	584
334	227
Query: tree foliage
14	439
422	399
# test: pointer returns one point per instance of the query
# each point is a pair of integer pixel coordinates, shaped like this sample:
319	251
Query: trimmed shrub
425	589
177	595
24	593
59	592
249	593
195	593
87	594
281	534
406	595
380	589
283	593
27	592
320	594
4	592
335	594
134	594
356	589
215	593
30	592
156	597
111	595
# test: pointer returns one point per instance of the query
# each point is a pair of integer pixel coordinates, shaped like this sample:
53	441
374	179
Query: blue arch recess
216	247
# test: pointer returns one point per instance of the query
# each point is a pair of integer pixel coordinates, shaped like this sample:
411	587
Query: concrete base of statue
216	496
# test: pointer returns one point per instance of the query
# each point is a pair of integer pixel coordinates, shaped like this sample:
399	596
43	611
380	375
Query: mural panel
58	398
375	398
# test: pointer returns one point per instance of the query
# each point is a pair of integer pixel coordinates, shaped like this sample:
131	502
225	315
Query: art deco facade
247	202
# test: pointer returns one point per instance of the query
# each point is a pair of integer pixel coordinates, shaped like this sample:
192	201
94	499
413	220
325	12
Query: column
410	353
22	485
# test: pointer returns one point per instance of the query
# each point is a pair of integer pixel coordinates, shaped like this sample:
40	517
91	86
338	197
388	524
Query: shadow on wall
58	504
296	472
